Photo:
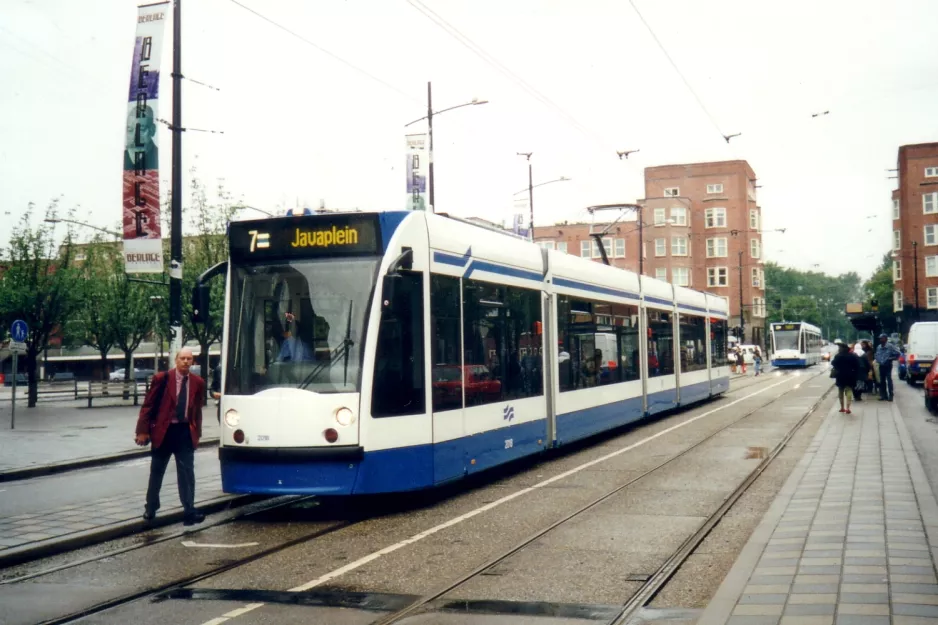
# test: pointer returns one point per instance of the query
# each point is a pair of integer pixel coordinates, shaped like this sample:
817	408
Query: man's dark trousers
178	443
885	381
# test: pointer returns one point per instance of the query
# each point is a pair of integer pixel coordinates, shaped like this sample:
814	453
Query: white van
922	350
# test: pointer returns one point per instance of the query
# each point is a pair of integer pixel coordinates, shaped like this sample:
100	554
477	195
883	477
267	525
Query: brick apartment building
915	235
701	229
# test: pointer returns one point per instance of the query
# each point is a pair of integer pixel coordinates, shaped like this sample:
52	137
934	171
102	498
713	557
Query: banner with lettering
417	167
143	245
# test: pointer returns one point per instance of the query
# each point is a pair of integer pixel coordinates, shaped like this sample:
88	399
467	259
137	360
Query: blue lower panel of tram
790	362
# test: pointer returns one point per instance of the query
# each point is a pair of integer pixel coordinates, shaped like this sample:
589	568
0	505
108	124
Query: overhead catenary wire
328	53
504	70
677	69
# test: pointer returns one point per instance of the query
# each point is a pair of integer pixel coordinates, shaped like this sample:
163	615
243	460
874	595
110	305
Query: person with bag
757	360
171	418
862	372
844	369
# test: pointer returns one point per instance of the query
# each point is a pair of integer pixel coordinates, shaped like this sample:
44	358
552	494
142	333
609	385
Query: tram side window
446	369
502	336
660	346
693	343
597	343
399	379
717	342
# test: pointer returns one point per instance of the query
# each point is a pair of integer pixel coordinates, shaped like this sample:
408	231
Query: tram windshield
298	324
787	339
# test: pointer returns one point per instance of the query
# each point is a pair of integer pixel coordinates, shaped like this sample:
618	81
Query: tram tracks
650	588
167	589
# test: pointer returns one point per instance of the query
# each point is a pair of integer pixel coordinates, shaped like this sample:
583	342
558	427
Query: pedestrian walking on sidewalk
171	419
757	360
845	368
862	372
885	354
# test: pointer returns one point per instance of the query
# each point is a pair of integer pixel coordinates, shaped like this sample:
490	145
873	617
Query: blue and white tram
795	344
371	353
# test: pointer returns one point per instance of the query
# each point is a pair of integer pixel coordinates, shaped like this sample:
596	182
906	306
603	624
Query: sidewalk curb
25	473
87	538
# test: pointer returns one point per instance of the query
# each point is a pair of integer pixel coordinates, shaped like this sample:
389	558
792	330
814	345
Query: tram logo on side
508	413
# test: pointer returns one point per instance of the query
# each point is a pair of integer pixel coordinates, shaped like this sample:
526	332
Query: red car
480	387
931	387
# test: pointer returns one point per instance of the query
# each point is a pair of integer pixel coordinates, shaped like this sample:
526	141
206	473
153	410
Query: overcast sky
300	126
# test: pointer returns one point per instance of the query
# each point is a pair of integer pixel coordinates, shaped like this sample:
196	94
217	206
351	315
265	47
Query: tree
206	249
880	287
38	284
815	297
100	302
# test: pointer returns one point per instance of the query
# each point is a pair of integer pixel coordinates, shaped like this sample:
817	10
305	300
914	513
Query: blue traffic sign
19	330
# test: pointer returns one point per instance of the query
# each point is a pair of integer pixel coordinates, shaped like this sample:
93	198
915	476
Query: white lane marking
244	610
189	543
524	491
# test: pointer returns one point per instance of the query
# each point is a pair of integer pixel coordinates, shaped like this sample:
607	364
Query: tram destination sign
315	236
784	326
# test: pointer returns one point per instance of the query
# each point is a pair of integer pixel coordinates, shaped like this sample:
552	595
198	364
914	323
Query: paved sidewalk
68	431
851	538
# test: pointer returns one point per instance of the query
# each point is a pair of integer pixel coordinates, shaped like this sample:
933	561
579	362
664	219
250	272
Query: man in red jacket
171	418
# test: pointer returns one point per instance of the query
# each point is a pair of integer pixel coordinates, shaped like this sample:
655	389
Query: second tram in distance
795	344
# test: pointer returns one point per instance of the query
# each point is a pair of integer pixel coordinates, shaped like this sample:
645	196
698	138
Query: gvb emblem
508	413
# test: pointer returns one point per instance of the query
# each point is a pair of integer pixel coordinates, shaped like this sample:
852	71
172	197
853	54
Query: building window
931	266
715	218
679	246
714	188
897	270
672	192
756	277
931	297
680	276
585	249
679	216
661	247
753	219
755	248
895	209
717	276
607	245
660	218
931	172
716	248
930	201
661	273
620	248
931	236
562	246
758	307
547	245
897	301
895	240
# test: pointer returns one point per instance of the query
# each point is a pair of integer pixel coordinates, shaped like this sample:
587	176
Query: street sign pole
16	357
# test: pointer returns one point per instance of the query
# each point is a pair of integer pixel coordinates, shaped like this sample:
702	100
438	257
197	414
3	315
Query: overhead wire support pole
742	322
527	155
175	262
432	191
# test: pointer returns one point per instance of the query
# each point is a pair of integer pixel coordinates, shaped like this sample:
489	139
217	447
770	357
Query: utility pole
915	279
527	155
641	243
431	181
175	262
742	323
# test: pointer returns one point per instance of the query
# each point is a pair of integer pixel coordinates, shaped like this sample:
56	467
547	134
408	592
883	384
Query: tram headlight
344	416
232	418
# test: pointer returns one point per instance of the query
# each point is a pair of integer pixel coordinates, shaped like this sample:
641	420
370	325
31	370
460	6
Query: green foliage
815	297
880	287
38	284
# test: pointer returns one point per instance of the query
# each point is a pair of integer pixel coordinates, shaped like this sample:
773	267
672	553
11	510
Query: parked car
931	387
63	376
923	348
139	375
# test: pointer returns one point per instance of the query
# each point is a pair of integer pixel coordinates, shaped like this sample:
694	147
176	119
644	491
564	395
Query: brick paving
17	531
854	544
65	431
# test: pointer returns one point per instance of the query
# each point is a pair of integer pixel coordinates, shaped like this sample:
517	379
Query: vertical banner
417	166
143	247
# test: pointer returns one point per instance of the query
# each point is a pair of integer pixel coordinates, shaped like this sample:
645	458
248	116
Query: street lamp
429	118
81	223
541	184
